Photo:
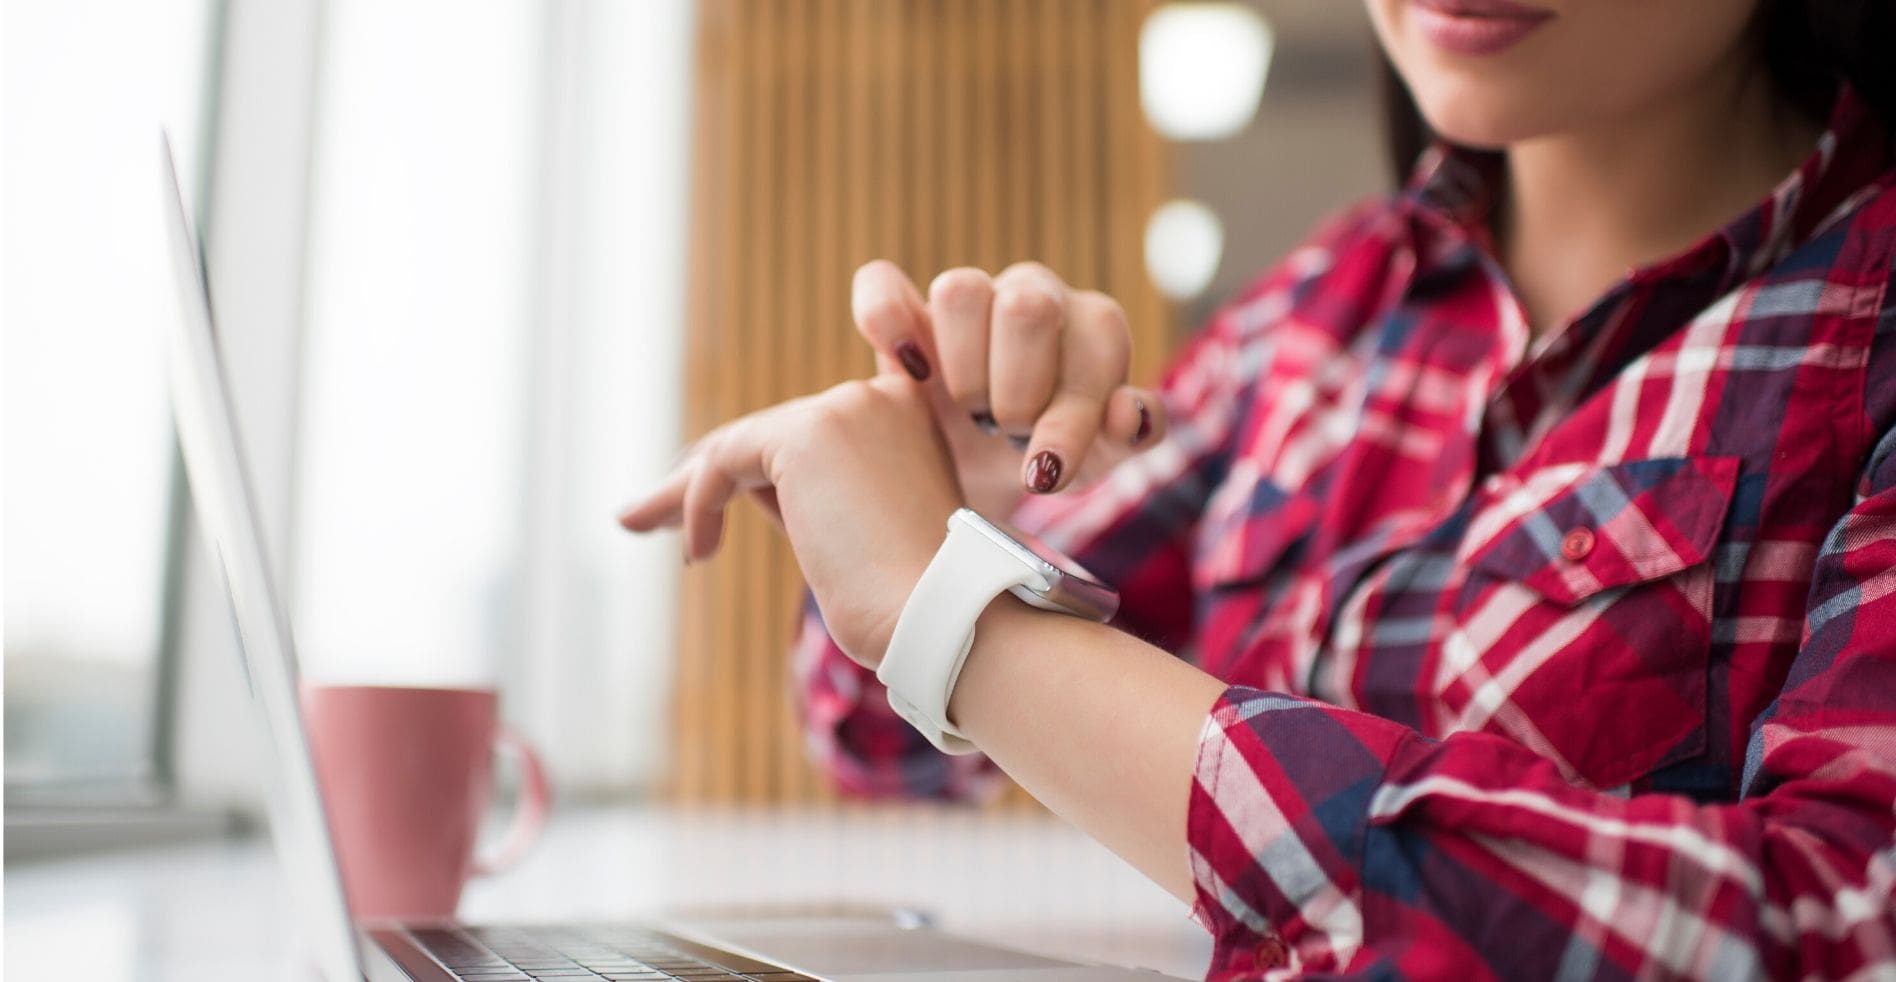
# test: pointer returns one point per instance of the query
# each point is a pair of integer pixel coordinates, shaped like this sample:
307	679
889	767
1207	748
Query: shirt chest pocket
1584	623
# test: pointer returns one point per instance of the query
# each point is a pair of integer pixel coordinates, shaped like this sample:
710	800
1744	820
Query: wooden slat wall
936	133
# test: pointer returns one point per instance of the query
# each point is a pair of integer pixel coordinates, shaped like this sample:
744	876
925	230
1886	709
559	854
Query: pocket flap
1603	527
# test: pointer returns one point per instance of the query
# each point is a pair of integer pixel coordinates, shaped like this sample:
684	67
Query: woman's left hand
858	476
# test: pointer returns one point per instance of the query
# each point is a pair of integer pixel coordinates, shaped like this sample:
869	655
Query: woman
1528	536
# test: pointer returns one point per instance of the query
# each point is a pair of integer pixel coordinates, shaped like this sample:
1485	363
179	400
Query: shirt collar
1456	187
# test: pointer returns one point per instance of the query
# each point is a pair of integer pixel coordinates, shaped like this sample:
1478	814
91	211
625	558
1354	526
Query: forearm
1098	725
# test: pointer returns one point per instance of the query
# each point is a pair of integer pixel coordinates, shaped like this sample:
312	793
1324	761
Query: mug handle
530	811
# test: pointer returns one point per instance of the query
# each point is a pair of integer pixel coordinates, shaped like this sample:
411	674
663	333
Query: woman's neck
1583	208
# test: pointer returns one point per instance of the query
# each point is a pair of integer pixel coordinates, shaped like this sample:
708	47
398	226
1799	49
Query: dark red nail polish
1043	472
984	420
1145	423
912	359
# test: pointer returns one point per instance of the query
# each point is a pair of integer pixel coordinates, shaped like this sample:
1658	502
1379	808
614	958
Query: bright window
417	347
88	469
491	362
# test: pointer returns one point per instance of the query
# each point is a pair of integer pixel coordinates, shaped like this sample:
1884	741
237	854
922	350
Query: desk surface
217	910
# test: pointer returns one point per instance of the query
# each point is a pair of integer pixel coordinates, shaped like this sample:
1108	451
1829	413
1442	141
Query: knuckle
1112	334
1029	307
859	401
1029	269
878	298
877	268
885	396
825	420
847	397
706	449
1108	318
961	288
882	312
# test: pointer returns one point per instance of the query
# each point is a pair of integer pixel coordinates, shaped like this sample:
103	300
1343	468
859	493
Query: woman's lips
1476	27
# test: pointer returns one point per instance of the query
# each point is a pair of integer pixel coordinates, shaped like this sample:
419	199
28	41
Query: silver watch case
1070	588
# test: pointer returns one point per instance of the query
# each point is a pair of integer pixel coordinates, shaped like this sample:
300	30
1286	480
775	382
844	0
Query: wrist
860	614
944	615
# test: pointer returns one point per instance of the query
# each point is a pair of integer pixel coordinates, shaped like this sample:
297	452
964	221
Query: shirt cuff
1276	823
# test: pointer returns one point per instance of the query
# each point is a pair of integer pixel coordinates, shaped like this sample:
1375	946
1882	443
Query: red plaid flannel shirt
1571	657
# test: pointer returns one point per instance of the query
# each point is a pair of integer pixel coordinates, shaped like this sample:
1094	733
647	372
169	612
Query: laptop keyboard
559	954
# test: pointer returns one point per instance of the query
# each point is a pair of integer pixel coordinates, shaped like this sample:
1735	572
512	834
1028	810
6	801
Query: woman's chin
1468	123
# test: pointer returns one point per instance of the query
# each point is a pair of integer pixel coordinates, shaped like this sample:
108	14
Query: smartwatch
935	631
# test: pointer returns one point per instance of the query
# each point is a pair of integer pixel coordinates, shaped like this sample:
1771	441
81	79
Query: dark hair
1809	46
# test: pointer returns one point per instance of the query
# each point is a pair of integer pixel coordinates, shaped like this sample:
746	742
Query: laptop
842	949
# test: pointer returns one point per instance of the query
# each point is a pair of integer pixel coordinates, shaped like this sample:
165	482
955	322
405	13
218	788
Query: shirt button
1271	952
1575	545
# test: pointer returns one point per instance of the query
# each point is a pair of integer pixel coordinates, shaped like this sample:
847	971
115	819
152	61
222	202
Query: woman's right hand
1025	375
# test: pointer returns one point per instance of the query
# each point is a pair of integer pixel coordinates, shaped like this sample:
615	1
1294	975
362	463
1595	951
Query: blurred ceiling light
1183	243
1201	68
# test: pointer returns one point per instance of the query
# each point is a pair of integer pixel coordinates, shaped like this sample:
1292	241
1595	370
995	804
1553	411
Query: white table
217	910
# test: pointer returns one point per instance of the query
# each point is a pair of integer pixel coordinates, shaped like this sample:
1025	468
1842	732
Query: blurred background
481	269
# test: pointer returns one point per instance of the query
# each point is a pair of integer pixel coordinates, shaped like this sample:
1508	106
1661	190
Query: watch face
1029	548
1073	588
1048	555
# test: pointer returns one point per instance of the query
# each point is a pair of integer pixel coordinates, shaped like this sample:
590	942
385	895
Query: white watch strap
936	630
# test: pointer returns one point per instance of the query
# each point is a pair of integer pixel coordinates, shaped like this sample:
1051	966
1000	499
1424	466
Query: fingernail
984	420
912	359
1145	423
1043	472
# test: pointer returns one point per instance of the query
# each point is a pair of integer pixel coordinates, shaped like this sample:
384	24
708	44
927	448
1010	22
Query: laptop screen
227	511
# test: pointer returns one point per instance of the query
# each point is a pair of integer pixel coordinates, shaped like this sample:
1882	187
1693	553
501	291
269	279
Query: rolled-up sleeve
1331	841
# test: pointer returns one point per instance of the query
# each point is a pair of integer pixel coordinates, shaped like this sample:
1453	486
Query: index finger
890	315
1095	352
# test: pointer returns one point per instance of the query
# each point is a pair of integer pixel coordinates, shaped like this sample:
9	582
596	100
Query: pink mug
406	774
